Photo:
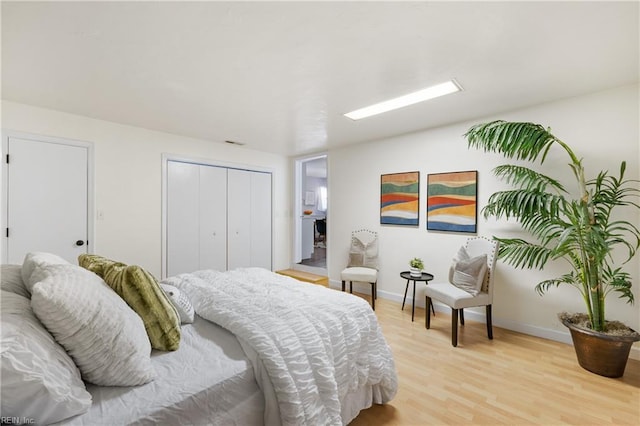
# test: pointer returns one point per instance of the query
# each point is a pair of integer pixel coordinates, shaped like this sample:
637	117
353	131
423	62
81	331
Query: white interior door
46	199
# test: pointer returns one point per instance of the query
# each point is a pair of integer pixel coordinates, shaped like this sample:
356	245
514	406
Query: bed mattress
209	380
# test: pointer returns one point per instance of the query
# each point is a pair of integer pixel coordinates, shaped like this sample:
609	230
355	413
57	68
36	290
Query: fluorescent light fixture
412	98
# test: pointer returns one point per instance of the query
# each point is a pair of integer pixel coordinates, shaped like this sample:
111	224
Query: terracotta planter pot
601	353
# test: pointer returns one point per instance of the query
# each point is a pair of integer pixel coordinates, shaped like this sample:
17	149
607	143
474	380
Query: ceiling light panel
431	92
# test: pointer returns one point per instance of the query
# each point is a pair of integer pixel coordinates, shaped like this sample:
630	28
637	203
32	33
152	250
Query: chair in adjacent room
470	283
363	262
321	229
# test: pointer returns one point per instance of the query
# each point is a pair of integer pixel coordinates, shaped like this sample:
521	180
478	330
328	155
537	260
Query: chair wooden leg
427	317
375	288
373	296
342	285
461	316
489	325
350	286
454	327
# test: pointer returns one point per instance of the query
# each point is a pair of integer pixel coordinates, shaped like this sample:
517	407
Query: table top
424	277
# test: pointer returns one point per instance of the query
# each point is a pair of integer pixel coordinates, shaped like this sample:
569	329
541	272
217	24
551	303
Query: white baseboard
545	333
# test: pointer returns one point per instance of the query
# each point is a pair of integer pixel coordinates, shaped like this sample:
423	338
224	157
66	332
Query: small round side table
424	277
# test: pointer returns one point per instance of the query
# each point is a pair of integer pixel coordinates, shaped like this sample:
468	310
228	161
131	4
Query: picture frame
400	199
452	201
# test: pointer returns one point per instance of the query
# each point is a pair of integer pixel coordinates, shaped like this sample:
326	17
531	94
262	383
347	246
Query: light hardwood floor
514	379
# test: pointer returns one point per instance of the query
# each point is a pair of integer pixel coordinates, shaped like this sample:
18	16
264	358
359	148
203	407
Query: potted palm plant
580	229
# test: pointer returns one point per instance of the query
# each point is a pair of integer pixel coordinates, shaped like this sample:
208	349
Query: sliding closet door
183	217
196	217
249	219
239	218
213	218
217	218
261	220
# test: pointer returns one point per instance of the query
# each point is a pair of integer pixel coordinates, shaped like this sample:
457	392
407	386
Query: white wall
128	171
601	127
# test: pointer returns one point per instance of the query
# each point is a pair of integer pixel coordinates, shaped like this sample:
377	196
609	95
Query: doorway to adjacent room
311	201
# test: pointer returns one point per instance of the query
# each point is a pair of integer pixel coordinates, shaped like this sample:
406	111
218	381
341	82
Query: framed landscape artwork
400	198
452	201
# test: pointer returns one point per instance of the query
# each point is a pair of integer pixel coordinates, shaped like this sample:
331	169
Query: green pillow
143	294
95	263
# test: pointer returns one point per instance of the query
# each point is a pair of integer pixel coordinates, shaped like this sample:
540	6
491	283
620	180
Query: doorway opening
311	242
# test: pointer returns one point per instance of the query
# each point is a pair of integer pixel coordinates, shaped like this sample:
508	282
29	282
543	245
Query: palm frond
526	178
523	203
523	254
543	227
524	141
609	192
569	278
619	281
624	233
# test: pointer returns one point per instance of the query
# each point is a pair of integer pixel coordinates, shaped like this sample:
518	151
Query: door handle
79	243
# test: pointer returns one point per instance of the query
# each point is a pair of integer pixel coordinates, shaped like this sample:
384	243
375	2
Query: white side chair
458	299
363	262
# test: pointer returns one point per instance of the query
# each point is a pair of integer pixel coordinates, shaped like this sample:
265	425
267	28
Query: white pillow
181	302
106	339
11	280
39	380
363	255
460	255
34	261
469	274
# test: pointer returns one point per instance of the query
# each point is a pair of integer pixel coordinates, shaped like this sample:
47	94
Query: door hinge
7	159
7	232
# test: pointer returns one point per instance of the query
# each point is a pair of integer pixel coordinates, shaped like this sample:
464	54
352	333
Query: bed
261	349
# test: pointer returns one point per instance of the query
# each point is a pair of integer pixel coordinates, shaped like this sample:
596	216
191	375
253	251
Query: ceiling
277	76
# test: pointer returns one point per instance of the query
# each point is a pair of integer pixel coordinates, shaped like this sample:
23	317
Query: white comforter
317	345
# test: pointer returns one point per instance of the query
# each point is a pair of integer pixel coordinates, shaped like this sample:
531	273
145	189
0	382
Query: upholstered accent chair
470	283
363	262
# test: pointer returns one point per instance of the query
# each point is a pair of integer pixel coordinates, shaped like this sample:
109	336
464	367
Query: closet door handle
79	243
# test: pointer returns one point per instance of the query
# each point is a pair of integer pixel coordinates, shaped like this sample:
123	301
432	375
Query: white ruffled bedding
208	381
318	347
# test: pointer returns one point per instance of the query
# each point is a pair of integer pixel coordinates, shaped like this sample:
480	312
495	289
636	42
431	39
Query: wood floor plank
514	379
